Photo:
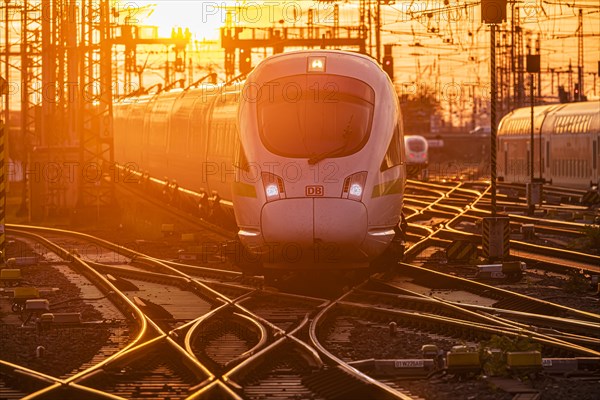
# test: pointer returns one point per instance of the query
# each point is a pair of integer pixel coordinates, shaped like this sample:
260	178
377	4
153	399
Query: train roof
525	112
318	52
583	107
337	61
560	108
569	117
414	137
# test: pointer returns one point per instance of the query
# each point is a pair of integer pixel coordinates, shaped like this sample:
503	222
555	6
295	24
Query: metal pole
6	62
493	114
580	81
24	208
541	149
378	31
531	149
530	203
4	130
2	189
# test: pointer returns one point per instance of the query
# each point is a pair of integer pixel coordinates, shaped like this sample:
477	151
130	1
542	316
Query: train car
308	151
566	144
417	155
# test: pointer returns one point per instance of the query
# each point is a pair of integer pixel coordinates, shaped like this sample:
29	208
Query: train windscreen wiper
320	157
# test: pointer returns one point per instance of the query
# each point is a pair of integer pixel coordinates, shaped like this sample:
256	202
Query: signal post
495	229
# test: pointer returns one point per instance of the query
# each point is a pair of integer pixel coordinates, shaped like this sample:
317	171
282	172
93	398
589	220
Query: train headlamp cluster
354	186
273	185
417	155
316	64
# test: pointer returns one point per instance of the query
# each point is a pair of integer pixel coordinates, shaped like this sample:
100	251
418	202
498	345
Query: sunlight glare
202	18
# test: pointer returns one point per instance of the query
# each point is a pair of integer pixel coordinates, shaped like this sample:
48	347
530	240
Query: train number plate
314	191
409	363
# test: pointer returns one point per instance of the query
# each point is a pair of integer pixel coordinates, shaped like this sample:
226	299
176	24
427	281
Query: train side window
393	155
241	161
547	154
594	154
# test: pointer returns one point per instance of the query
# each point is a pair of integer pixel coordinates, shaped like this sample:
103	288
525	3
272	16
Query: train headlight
316	64
273	185
354	186
272	191
355	190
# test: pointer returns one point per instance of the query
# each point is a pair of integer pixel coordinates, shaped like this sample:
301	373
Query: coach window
315	116
594	154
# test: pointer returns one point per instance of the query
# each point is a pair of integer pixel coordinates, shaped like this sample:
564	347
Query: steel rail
481	287
313	328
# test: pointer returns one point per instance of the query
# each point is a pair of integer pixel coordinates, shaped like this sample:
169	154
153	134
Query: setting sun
202	18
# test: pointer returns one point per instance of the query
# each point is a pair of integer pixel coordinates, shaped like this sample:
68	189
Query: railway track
207	332
451	220
179	353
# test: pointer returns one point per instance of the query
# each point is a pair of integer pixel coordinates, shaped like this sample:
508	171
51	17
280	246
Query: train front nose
315	230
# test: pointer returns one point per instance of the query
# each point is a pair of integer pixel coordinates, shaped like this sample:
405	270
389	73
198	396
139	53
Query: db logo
314	191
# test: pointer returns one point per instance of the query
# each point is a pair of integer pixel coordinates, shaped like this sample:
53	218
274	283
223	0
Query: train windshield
415	144
315	116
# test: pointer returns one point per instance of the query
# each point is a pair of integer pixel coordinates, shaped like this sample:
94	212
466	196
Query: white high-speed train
308	152
417	154
566	144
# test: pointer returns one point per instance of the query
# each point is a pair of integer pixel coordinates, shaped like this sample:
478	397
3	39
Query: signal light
493	11
533	63
388	66
245	61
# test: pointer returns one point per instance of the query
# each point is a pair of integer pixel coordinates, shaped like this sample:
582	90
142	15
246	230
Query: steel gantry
95	106
64	60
